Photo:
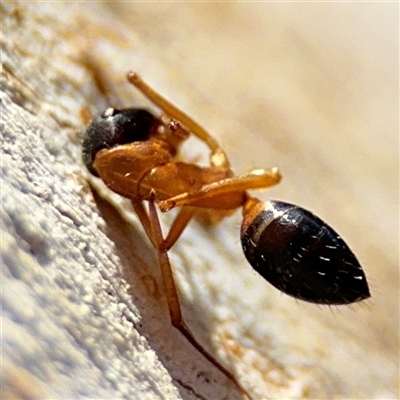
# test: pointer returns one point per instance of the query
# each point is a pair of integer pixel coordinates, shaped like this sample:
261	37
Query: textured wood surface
310	88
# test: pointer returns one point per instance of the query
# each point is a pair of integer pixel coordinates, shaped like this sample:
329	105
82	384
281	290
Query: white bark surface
311	88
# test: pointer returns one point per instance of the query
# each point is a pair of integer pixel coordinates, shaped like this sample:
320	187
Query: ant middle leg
178	225
173	298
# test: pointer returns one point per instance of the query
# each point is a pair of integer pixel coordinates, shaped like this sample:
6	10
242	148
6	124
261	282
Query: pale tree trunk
310	88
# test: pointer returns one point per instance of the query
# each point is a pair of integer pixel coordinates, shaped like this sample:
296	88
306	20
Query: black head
302	256
114	127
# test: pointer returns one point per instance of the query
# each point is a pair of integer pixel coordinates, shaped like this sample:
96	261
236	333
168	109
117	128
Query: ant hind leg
222	192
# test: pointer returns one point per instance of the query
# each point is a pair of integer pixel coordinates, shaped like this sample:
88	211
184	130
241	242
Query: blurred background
311	88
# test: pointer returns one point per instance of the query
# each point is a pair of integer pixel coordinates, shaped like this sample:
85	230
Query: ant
134	152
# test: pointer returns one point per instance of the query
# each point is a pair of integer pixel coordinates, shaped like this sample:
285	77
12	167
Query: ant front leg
172	294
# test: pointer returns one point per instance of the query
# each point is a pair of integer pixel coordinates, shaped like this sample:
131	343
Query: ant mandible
134	153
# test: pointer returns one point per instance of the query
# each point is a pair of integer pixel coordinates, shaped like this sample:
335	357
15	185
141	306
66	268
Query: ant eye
114	127
301	255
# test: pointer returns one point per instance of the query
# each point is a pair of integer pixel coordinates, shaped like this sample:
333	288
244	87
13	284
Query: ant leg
144	218
173	299
177	227
218	156
258	179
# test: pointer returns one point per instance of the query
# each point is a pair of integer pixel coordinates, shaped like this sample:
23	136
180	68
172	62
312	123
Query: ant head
114	127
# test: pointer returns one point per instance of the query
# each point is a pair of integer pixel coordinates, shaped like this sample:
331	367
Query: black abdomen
302	256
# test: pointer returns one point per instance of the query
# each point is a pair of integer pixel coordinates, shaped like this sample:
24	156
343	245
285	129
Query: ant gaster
133	152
